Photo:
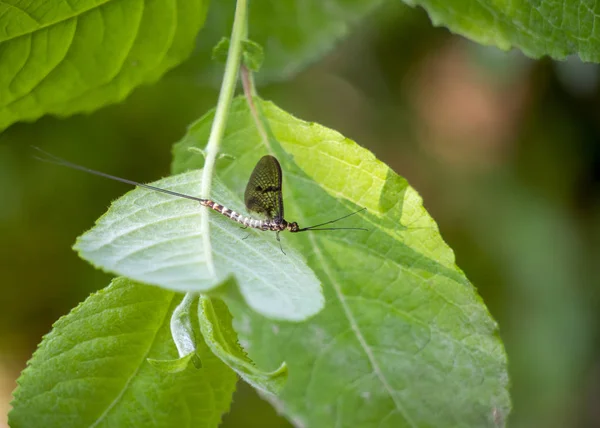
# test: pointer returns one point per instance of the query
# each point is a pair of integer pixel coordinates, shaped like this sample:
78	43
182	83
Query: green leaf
293	33
404	339
174	365
252	53
185	338
217	330
91	369
68	57
155	238
182	326
219	52
536	27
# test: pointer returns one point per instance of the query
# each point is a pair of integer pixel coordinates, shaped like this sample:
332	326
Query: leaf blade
536	28
62	59
404	339
216	326
156	239
91	369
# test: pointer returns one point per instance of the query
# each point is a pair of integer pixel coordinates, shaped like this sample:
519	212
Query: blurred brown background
504	150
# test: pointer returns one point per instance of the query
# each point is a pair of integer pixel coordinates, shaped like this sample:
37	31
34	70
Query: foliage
61	57
293	33
253	54
156	239
538	28
91	369
347	328
401	321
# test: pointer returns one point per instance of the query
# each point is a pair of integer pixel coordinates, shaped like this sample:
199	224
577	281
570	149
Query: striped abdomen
246	221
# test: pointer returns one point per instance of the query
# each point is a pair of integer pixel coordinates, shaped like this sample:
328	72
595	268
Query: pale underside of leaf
404	340
156	239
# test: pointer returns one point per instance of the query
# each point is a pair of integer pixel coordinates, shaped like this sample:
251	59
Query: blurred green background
504	150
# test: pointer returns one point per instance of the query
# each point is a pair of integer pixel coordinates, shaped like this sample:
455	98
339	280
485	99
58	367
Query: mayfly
263	196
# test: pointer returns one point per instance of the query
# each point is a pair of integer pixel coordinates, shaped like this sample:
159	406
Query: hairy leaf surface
404	340
215	323
92	368
156	239
555	28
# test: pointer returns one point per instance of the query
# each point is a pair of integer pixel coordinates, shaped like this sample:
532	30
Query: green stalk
232	67
250	93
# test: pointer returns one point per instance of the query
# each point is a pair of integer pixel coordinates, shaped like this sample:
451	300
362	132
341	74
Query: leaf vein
357	332
46	75
52	23
135	372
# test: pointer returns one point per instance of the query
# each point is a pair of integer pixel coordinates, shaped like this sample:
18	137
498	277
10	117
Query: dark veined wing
263	192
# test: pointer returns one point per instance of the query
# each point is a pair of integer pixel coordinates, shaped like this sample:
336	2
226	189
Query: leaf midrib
351	320
134	374
55	22
359	336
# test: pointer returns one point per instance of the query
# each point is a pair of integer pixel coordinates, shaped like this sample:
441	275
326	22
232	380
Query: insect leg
279	240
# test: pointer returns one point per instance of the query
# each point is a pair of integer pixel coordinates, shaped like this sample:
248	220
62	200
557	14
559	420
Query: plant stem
232	67
250	93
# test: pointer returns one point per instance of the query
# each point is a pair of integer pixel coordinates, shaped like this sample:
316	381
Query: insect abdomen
246	221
